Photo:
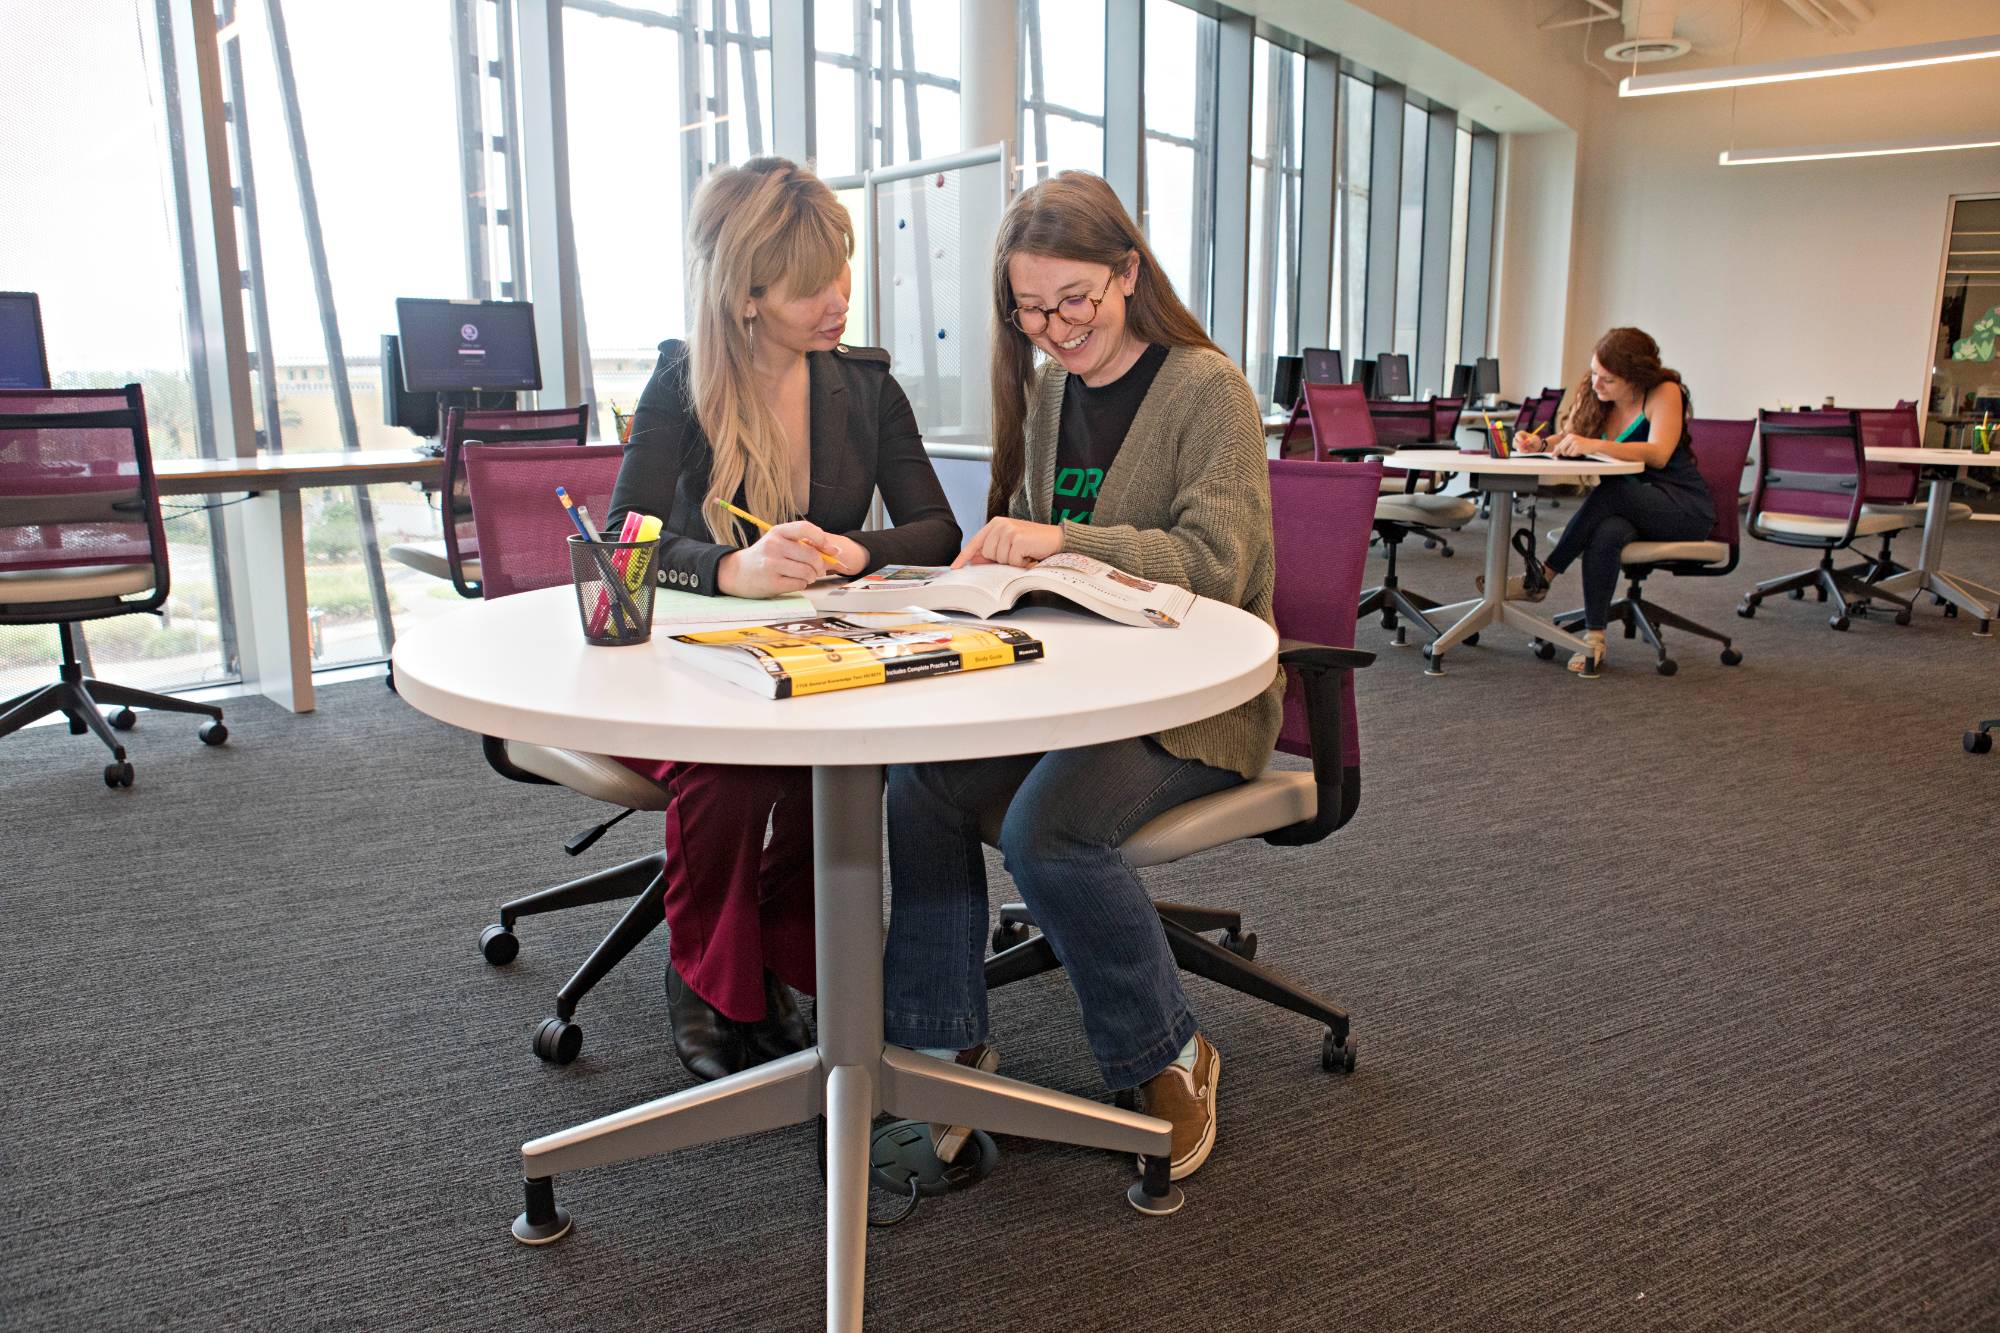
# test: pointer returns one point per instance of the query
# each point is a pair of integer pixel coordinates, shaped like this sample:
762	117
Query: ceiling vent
1639	50
1649	33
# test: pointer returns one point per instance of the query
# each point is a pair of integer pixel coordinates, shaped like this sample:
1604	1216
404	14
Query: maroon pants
737	904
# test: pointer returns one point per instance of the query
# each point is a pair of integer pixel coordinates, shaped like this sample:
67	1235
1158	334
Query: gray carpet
1674	997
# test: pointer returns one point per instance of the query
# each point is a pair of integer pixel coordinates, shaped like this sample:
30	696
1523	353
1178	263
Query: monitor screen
1285	382
1486	376
1392	375
463	345
1322	365
1461	381
24	361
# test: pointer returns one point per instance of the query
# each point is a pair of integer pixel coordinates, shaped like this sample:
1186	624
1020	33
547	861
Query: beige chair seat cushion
1431	511
1275	799
597	776
73	583
1811	525
1649	553
1913	515
430	558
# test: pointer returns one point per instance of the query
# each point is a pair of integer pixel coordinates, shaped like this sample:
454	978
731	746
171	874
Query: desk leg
277	649
1929	576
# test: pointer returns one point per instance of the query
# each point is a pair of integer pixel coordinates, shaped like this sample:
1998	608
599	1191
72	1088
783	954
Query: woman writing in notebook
1136	442
763	407
1632	408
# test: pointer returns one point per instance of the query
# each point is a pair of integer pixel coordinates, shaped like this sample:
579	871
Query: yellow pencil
749	517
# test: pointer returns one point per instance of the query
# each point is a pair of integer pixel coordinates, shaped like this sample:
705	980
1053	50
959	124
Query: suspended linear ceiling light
1754	157
1811	67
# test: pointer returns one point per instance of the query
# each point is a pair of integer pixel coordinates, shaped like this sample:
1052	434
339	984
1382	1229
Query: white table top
518	668
280	472
1452	460
1883	453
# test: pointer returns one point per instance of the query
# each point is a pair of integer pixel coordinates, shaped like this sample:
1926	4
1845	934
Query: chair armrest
1360	452
1320	669
495	751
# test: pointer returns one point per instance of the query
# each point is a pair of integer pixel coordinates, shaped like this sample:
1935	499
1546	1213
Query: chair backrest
1894	428
1321	517
1720	449
523	531
76	489
1809	463
1445	413
1338	414
1398	424
1530	413
496	426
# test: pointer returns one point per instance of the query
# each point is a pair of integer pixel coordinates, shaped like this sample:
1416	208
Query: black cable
198	509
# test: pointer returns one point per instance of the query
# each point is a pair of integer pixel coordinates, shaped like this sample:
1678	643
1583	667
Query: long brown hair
1631	355
1073	215
767	226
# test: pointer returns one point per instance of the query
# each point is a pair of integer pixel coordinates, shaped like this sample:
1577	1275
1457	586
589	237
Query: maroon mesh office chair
81	539
1320	515
1720	448
456	557
523	544
1811	493
1895	489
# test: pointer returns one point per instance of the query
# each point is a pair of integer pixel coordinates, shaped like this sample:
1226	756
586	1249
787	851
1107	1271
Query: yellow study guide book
824	653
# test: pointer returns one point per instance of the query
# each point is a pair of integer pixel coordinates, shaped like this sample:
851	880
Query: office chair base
1337	1057
900	1160
78	698
558	1041
544	1220
1645	620
1981	741
1848	595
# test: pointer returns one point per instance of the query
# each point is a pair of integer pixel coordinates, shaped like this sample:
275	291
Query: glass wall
1062	87
1178	214
886	82
1277	131
85	108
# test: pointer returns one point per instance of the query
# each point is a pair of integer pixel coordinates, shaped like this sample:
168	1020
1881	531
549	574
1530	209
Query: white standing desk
518	668
280	657
1504	477
1947	465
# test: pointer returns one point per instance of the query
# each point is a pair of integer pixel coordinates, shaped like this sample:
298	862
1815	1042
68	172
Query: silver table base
1491	607
1981	602
851	1077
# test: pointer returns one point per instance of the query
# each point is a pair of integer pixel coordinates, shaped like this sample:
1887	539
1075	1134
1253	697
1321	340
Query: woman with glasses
1137	442
763	406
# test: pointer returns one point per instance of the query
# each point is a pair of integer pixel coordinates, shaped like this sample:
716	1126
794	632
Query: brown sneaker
947	1140
1187	1101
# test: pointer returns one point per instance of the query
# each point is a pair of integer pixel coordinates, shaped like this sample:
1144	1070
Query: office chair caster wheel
1748	610
124	719
77	726
1730	657
118	774
558	1041
1544	650
1838	622
1951	611
1388	622
1244	946
1796	594
1336	1057
389	679
1903	616
499	945
1446	553
1472	640
1978	742
1822	594
213	733
1008	934
1667	666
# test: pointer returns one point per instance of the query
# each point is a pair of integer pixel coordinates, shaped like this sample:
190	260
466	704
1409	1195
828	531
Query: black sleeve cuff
687	565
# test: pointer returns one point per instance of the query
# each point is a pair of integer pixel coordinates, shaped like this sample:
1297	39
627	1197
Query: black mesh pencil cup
613	613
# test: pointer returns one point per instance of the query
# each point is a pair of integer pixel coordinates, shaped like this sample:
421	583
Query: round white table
1947	465
1504	477
518	668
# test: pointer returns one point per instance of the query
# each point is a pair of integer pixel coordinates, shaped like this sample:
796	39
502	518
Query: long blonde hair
768	226
1074	215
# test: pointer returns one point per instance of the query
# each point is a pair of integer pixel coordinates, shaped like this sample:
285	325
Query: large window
886	84
1062	87
86	220
1277	130
1350	272
1410	231
1461	180
1178	214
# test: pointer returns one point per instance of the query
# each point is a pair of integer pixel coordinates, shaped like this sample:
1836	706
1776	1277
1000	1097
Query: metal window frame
1235	57
1434	263
1385	186
1482	193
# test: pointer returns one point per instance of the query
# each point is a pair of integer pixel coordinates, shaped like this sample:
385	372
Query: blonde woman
765	407
1137	442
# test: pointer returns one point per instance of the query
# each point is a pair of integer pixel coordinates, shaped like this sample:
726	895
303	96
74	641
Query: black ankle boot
708	1044
781	1031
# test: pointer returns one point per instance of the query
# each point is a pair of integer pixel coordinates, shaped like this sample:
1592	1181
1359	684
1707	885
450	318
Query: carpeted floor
1675	1000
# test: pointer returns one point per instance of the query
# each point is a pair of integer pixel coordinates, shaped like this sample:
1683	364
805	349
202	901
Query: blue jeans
1067	813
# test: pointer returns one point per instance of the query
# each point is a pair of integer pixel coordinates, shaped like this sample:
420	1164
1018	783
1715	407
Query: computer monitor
461	346
1461	381
1486	377
1285	383
1322	365
1392	375
24	358
1364	375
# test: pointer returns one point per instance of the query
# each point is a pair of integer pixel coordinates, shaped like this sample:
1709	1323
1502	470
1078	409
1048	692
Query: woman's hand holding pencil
786	558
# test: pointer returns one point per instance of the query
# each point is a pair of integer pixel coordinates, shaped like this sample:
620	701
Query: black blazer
864	436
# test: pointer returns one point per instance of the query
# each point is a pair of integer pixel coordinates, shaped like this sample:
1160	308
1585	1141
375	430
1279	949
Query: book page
1112	592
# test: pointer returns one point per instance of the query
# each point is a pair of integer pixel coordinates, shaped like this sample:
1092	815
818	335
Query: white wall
1532	259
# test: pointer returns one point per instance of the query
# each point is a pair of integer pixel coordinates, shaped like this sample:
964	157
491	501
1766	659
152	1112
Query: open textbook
987	590
822	653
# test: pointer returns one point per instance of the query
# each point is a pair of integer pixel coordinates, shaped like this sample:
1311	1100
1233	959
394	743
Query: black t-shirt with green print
1094	423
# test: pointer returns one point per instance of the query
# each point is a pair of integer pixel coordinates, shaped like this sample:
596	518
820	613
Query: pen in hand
762	526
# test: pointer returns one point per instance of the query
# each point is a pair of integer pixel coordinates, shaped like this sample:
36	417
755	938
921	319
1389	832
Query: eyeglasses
1076	311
